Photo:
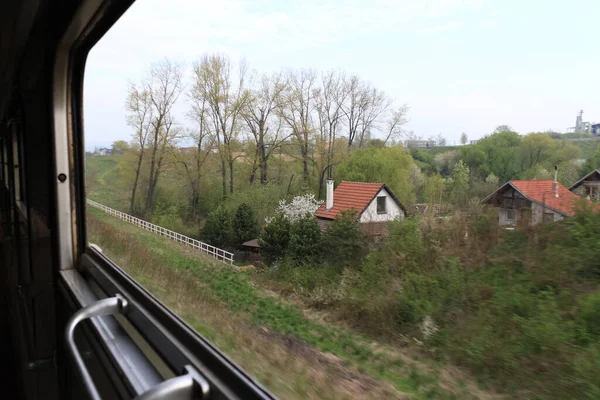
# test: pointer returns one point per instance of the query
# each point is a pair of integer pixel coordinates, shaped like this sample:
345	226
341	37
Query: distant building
536	200
473	141
582	126
541	200
374	203
103	151
419	144
588	186
188	149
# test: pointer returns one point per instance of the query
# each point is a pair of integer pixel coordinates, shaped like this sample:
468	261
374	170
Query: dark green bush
345	241
274	238
306	241
217	229
245	226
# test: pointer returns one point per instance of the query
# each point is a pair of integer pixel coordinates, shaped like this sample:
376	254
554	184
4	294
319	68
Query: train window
189	150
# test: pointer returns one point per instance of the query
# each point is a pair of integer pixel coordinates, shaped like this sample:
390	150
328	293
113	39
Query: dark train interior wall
33	310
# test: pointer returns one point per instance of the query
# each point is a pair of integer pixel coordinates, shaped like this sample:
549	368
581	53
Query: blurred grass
258	331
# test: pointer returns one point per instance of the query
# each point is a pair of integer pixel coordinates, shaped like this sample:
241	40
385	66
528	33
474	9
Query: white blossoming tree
298	207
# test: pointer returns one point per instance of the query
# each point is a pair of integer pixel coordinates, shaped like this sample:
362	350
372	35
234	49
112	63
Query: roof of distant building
353	196
540	191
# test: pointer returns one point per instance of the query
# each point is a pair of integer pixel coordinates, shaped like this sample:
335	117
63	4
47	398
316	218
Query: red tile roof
350	195
541	192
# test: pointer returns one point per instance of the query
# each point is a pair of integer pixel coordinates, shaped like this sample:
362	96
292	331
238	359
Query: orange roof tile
541	192
350	195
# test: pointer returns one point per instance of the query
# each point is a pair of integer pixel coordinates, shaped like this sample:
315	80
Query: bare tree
225	97
329	99
395	122
296	110
264	123
139	114
164	87
193	162
363	106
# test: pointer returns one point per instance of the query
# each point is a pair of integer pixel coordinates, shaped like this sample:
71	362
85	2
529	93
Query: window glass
510	214
548	216
212	128
381	205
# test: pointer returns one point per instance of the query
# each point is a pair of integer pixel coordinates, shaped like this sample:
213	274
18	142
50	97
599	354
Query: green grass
103	182
239	294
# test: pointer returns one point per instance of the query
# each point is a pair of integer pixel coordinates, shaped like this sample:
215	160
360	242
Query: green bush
244	224
217	228
345	241
274	238
306	241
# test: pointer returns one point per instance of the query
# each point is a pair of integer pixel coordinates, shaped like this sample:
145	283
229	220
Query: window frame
384	210
548	216
514	214
82	267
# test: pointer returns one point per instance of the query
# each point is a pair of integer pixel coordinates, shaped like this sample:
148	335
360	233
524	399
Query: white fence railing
219	254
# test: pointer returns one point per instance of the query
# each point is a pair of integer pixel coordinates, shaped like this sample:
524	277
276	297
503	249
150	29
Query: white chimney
555	183
329	201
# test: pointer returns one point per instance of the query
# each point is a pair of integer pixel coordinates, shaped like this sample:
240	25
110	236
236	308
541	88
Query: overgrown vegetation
294	355
519	308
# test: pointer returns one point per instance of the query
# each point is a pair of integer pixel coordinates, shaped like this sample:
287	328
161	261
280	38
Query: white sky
461	65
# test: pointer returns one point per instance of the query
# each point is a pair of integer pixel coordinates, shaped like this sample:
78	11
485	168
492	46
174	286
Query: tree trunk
231	161
304	151
135	182
263	168
224	177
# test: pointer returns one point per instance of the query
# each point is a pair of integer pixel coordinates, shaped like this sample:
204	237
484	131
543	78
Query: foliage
274	238
245	226
459	184
344	241
306	241
217	228
390	165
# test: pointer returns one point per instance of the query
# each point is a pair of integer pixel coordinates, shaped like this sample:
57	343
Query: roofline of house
524	195
360	212
579	182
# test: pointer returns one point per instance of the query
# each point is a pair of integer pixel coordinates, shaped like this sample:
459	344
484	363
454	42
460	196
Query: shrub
274	238
345	241
306	241
217	228
245	226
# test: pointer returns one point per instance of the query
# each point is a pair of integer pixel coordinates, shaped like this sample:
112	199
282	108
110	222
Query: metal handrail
219	254
188	386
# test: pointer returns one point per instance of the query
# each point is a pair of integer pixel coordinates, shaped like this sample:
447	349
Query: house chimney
555	183
329	200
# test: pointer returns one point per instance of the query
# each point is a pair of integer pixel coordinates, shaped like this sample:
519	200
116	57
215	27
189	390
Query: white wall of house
393	210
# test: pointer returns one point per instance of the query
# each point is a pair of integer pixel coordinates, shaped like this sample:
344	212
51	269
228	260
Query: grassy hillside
104	183
288	348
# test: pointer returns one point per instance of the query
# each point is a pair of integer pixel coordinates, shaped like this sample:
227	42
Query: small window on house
510	214
381	209
548	216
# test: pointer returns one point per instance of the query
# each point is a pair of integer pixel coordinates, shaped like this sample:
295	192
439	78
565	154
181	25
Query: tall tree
296	110
225	95
193	162
139	114
463	138
264	123
329	99
163	87
395	122
363	107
